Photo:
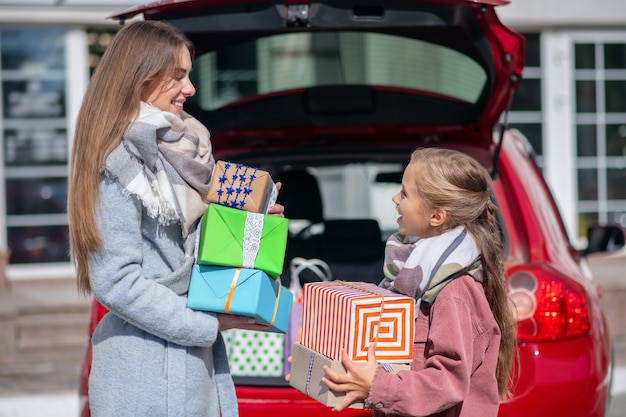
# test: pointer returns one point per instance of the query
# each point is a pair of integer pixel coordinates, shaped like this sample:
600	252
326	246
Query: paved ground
48	405
49	394
57	398
617	407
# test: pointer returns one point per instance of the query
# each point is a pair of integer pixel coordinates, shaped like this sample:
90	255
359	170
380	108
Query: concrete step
43	326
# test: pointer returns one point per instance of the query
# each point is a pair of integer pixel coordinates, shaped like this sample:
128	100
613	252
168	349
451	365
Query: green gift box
254	353
239	238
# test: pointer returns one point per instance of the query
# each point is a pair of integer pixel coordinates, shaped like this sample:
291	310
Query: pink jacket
454	360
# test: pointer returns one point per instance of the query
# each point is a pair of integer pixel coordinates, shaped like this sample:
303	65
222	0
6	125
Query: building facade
571	105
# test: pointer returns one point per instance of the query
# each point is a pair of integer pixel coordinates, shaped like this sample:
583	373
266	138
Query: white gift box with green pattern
252	353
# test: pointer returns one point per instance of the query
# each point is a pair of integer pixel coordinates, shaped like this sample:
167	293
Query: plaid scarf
165	161
420	268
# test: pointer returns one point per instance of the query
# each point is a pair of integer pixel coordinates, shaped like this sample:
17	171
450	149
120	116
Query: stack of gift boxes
240	258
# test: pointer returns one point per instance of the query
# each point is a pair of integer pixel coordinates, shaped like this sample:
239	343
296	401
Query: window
526	111
42	80
97	42
238	72
35	143
600	106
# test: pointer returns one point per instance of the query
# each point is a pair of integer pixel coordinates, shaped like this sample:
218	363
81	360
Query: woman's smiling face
170	94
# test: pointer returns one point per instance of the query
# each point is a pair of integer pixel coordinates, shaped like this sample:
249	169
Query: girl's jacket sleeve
442	367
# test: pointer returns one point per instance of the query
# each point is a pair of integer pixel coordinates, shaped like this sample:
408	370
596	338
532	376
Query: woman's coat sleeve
118	275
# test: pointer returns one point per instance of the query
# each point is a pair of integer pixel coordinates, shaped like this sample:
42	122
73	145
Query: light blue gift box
244	291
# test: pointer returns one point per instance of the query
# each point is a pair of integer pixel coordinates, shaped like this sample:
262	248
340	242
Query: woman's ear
438	217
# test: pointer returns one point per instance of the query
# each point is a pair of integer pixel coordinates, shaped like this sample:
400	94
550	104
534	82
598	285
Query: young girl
139	177
448	255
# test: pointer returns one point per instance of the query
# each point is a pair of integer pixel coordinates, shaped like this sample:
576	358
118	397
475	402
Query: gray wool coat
152	356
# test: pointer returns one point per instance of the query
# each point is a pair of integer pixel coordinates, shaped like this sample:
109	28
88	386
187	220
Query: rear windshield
301	60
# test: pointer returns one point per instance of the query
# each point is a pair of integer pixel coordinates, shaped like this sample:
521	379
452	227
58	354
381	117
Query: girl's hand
277	209
288	376
233	321
356	384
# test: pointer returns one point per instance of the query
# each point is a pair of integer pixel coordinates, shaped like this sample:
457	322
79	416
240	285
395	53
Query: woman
138	180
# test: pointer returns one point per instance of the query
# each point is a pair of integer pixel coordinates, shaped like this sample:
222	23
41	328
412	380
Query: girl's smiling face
170	94
415	217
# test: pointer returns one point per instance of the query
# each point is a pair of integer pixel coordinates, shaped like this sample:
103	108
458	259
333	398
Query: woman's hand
233	321
277	209
357	382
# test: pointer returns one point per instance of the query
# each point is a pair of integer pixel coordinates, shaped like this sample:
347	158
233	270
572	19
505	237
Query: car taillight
548	305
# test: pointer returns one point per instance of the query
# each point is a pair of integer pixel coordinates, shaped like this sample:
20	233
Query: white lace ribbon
252	232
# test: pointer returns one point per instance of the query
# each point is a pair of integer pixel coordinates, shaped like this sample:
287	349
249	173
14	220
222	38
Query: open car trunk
345	73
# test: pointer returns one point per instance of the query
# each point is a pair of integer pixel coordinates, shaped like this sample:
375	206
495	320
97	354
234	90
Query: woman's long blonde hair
459	184
141	56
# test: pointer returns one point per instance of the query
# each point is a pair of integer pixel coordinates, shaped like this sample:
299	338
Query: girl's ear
438	217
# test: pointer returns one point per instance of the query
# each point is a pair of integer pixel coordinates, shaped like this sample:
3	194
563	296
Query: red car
331	97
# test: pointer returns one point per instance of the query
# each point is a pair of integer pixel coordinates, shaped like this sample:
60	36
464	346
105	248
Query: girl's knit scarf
420	268
166	162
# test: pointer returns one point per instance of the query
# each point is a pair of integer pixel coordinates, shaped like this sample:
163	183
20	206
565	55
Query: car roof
470	28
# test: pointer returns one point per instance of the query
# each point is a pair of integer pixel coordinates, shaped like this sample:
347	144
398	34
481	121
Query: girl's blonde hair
141	56
459	184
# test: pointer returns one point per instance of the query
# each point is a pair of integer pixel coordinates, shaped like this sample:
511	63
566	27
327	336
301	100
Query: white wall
79	12
558	13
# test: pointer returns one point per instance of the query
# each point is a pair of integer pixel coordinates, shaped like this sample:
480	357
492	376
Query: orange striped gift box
352	315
